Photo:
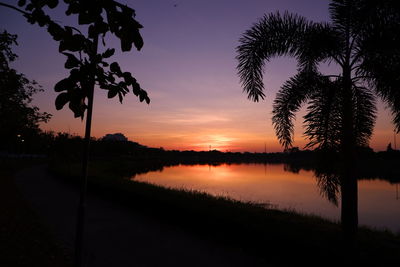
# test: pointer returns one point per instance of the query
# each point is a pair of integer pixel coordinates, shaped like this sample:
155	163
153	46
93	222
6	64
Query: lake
272	184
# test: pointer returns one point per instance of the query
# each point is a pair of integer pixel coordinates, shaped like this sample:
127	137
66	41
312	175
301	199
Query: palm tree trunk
349	211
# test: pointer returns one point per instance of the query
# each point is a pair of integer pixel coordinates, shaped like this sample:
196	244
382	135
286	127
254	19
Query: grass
280	237
24	240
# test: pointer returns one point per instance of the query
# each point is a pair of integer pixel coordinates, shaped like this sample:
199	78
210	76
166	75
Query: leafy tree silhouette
88	66
19	119
363	39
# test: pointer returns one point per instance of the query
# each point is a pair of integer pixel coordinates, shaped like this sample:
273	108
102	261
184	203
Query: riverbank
280	237
117	235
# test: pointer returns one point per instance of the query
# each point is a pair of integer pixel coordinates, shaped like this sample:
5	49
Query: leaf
112	92
72	61
128	78
76	43
56	31
146	98
92	31
30	7
73	8
68	30
137	39
143	97
108	53
62	46
101	27
52	3
21	2
136	88
40	17
126	44
77	105
84	18
63	85
114	67
61	100
120	96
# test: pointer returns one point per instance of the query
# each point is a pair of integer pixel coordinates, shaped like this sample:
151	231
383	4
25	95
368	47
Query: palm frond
343	14
321	42
278	35
389	91
323	121
373	13
328	184
273	35
379	52
288	101
323	118
364	115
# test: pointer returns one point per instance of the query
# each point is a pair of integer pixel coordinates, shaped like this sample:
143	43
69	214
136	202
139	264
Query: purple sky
188	67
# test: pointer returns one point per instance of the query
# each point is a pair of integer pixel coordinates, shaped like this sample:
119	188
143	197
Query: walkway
116	236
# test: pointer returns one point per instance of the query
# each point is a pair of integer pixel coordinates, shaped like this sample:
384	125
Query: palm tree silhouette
324	117
363	40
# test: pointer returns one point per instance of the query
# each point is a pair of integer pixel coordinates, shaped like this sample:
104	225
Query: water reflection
286	187
329	184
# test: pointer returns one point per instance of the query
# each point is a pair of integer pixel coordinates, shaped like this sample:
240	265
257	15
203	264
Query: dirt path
117	236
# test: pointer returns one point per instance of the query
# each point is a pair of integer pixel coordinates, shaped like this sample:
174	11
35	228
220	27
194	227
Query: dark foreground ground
24	239
116	236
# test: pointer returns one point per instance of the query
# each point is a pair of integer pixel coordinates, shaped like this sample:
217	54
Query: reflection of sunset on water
270	184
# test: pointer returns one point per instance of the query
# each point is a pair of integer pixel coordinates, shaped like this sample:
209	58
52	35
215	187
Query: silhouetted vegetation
340	108
19	118
362	39
130	158
87	64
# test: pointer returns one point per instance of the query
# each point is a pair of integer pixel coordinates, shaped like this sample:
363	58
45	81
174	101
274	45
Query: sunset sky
188	67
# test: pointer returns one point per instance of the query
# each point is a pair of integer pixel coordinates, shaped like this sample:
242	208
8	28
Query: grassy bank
24	240
279	237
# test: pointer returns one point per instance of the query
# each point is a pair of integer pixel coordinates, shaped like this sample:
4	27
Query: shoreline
247	226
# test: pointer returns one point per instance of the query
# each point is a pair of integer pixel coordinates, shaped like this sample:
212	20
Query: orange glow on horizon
215	140
238	126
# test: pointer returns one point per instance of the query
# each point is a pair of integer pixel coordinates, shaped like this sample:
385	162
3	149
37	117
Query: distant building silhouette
115	137
292	150
389	147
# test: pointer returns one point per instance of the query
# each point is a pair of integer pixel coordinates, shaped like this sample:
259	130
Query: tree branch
339	60
122	6
15	8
